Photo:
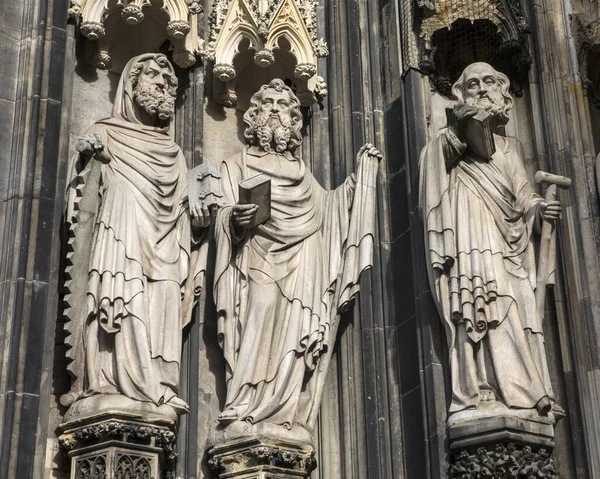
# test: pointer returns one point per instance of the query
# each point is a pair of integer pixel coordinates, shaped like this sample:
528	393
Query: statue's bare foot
69	398
179	405
227	416
558	411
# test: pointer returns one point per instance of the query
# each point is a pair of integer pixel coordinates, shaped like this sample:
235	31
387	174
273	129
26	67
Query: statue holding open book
481	213
288	262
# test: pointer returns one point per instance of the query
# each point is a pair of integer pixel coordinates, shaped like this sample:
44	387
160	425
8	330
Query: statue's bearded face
154	91
481	88
273	120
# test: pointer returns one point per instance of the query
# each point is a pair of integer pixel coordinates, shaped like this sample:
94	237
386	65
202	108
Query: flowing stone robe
279	288
479	217
145	268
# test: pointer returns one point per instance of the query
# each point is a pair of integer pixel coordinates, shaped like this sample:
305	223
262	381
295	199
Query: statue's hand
457	119
549	210
91	144
370	150
201	215
243	215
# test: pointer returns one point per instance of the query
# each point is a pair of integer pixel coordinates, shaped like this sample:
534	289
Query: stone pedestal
502	447
258	458
118	445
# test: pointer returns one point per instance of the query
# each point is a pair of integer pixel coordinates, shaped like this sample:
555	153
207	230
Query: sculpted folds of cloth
280	287
146	262
479	216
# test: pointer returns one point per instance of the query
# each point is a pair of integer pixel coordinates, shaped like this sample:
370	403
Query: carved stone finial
133	14
178	29
264	58
93	30
224	72
102	60
195	7
75	9
305	71
184	58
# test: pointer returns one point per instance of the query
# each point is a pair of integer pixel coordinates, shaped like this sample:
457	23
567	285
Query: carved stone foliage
112	24
133	432
455	33
280	35
502	461
238	458
118	448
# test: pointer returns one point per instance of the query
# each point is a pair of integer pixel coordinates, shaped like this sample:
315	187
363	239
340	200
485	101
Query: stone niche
119	30
253	41
456	33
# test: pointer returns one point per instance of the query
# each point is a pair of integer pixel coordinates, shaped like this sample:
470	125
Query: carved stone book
257	190
479	135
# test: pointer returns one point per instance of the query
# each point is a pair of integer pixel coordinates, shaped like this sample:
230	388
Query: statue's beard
155	102
273	130
493	103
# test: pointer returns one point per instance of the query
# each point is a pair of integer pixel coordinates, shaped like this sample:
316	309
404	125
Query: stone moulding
85	433
501	447
255	458
114	444
265	26
98	20
503	460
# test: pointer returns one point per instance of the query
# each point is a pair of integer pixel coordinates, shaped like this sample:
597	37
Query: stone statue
480	214
281	286
137	253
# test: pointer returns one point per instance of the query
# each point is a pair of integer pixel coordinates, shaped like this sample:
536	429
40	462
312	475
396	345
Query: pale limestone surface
480	216
137	264
279	287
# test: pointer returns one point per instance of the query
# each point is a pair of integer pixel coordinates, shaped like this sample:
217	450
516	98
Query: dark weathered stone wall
32	161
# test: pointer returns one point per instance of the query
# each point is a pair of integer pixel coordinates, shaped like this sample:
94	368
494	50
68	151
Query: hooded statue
143	266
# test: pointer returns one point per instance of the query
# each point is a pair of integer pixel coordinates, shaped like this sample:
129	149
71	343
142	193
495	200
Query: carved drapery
101	21
267	32
454	33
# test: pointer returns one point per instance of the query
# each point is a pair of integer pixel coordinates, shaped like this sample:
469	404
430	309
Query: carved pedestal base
501	447
254	458
118	446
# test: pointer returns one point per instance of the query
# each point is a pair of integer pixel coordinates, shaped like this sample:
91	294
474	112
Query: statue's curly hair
162	61
278	85
458	89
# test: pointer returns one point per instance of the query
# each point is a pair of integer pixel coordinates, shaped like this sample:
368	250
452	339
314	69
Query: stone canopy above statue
262	40
125	28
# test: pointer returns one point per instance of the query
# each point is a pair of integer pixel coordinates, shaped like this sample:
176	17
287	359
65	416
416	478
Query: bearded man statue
479	216
280	286
137	256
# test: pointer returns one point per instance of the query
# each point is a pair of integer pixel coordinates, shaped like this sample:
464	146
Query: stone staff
553	182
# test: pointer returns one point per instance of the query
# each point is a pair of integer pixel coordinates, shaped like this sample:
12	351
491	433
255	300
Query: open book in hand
257	190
